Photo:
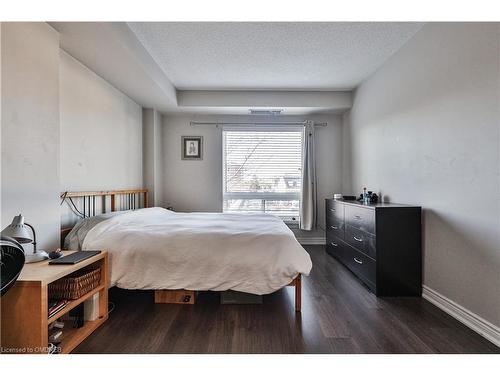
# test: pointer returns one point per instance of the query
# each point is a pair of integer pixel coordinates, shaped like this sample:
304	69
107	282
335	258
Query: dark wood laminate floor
339	315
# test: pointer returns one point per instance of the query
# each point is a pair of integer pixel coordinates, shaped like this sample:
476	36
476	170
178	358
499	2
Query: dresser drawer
361	241
334	211
360	218
361	265
335	229
334	223
334	247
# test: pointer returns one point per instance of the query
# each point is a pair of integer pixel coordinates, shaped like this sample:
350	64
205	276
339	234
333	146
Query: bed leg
298	294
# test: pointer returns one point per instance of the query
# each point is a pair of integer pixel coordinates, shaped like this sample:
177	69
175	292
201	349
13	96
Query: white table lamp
18	230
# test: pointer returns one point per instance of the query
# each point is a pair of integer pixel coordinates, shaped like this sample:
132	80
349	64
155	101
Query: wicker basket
75	285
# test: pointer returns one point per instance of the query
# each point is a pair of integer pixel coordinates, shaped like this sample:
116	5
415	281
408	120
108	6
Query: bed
166	251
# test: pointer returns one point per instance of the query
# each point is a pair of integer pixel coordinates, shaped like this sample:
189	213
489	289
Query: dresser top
373	205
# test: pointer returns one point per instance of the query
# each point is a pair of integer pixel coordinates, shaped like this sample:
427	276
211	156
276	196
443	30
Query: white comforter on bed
154	248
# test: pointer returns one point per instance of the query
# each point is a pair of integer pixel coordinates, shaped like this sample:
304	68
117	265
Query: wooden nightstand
24	307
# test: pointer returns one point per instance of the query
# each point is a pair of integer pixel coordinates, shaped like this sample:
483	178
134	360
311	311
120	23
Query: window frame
262	195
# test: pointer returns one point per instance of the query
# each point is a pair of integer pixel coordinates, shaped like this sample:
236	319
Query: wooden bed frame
132	199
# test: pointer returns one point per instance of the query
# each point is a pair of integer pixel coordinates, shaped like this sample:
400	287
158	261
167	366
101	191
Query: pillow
74	239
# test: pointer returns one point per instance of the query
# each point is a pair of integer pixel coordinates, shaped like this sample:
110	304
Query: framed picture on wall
192	148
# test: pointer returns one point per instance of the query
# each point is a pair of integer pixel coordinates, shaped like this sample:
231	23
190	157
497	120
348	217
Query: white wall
424	129
197	185
158	159
101	132
152	162
291	100
30	128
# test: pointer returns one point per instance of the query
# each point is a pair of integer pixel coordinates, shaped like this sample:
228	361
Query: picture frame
192	147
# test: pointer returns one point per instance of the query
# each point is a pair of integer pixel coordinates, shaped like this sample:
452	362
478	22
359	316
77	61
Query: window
262	171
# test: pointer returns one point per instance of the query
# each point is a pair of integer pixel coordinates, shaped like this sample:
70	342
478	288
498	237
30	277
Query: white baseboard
486	329
312	240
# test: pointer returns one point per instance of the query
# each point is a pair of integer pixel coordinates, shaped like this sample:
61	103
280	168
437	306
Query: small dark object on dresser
373	197
349	197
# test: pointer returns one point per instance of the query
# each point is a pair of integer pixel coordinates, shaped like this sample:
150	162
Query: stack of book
56	306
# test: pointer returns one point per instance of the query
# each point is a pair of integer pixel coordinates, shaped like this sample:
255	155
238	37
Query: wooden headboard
91	203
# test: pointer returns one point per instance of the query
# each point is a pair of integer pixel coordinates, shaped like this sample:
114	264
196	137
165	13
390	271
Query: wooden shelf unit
24	308
74	336
71	305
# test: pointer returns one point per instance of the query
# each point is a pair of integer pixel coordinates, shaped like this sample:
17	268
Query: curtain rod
217	123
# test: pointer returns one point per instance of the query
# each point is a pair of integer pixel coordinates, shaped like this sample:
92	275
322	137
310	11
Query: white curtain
308	197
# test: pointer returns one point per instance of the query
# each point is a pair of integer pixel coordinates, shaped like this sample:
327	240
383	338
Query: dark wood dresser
380	243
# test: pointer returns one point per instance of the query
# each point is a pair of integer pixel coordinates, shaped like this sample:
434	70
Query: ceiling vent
267	112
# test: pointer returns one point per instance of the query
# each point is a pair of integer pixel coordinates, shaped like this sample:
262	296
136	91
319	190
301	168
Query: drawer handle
334	244
358	239
357	260
332	209
334	227
357	217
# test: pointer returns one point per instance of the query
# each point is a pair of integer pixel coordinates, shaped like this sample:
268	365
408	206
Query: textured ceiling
280	56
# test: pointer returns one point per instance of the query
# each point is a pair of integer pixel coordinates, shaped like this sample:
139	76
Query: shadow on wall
446	240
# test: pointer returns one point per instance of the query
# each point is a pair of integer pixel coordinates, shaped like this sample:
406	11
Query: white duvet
154	248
